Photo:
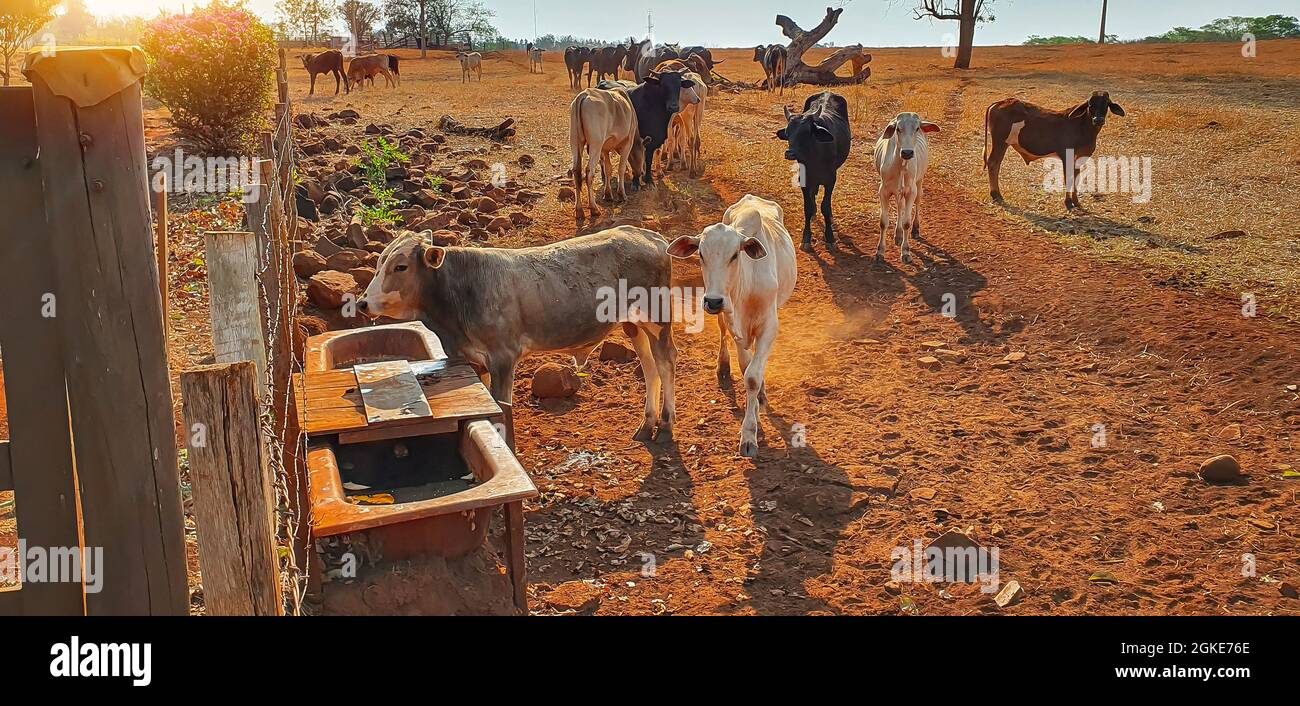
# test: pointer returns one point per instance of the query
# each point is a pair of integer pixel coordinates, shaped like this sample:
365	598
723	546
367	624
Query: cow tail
576	135
986	135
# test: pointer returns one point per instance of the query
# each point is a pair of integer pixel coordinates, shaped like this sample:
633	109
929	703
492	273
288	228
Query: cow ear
822	134
889	131
1114	108
929	127
652	78
1079	111
684	246
782	134
434	255
754	249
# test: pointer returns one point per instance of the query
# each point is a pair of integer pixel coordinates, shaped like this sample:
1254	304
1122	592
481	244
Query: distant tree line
1225	29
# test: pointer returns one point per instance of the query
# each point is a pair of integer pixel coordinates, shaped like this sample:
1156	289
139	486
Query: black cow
575	59
606	60
818	139
656	101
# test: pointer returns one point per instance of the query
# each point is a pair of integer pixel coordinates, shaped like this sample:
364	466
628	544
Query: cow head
634	51
306	60
404	269
904	129
720	248
1096	107
673	84
760	52
804	135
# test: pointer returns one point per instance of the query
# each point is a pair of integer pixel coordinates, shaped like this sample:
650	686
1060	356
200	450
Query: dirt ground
1129	316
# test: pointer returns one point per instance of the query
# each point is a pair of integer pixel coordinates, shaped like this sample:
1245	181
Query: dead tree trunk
822	74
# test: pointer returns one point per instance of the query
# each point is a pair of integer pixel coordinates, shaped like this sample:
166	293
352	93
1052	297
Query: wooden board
233	304
334	403
390	392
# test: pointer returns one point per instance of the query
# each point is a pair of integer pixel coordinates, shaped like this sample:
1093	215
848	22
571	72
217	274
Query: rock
997	531
308	263
948	354
415	132
357	233
329	289
893	587
500	224
529	196
346	113
396	171
437	221
372	129
442	238
345	260
520	219
616	352
526	161
325	246
313	148
1221	469
329	204
375	246
378	234
566	194
426	197
477	165
579	596
363	276
486	205
932	345
929	362
923	493
467	218
1009	594
1228	234
1288	589
552	380
1015	357
1232	432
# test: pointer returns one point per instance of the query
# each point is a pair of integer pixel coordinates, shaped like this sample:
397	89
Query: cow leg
592	160
724	355
606	174
641	342
826	214
809	208
916	209
753	385
994	165
624	168
886	198
502	369
312	91
649	177
1072	194
907	202
665	353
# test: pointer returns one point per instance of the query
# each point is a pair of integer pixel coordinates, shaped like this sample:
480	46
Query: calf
534	61
367	67
601	121
575	58
606	60
1037	132
684	127
326	62
818	139
749	272
902	154
656	101
470	62
492	306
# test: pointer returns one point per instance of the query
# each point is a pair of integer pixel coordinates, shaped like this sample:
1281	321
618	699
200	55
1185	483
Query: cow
705	55
575	58
902	154
749	271
1037	132
492	306
534	61
392	66
652	56
470	62
697	63
601	121
656	100
367	67
818	139
633	56
773	60
606	60
326	62
684	127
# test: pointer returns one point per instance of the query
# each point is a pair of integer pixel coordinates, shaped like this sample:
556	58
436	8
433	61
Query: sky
873	23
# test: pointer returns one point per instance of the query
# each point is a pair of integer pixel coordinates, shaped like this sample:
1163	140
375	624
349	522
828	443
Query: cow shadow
948	287
802	504
1081	222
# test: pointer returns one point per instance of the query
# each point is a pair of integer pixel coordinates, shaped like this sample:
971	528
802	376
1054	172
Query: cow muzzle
713	305
907	154
790	155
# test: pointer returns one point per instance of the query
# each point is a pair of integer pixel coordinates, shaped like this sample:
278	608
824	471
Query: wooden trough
407	451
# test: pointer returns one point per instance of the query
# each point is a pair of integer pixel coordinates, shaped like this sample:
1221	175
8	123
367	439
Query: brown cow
601	122
1035	132
773	59
325	62
369	66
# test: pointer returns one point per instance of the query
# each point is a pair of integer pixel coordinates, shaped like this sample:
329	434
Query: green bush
214	69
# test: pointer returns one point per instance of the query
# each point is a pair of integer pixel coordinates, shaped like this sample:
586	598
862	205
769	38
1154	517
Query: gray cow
494	305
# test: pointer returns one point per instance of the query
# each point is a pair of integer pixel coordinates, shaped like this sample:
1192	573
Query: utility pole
650	25
1102	38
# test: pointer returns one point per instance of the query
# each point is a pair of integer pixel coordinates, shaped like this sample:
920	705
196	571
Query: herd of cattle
492	306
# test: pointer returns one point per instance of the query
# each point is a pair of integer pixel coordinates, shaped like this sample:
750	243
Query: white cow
902	154
535	61
470	61
749	272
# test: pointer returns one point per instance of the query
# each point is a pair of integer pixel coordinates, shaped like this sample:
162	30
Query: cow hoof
806	246
749	449
724	377
880	258
645	433
907	258
664	434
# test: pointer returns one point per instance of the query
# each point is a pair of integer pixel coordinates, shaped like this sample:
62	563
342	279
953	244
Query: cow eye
736	255
400	268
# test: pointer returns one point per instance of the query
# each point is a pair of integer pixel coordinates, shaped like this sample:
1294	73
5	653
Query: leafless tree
360	18
966	12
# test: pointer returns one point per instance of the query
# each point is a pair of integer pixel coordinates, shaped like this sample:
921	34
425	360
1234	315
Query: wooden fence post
233	497
160	248
114	357
233	299
40	443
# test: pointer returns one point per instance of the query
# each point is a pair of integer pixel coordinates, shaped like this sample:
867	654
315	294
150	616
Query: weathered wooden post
233	301
160	248
90	125
233	497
